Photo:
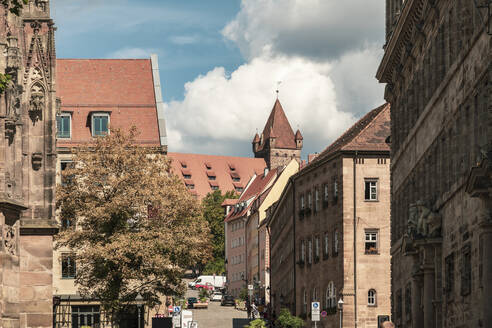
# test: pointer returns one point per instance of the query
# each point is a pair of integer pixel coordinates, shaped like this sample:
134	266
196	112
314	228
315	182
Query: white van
208	282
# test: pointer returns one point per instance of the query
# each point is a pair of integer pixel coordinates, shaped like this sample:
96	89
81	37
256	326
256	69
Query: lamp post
340	307
139	301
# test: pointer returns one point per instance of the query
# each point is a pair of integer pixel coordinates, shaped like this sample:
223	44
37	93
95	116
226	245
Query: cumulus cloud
325	52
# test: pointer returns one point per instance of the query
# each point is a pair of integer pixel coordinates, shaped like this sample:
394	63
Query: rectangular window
335	243
327	246
310	201
303	251
316	200
63	126
371	242
302	202
310	251
335	190
371	190
85	316
326	192
100	124
63	166
68	265
316	248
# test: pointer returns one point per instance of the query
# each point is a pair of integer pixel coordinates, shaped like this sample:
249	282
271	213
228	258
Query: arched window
371	297
331	296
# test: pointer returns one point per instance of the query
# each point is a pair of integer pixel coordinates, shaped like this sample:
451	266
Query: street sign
250	287
170	309
177	321
324	314
177	309
315	311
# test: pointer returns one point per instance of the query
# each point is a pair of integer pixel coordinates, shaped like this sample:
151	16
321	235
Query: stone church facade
437	66
27	166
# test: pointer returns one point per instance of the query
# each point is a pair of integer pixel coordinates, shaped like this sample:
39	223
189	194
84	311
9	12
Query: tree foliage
214	215
137	226
287	320
257	323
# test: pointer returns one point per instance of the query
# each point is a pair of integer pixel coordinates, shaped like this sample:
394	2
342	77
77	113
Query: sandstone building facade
330	236
437	66
27	165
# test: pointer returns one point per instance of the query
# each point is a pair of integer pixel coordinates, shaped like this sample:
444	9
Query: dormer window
100	124
208	166
211	175
235	177
232	167
183	165
64	126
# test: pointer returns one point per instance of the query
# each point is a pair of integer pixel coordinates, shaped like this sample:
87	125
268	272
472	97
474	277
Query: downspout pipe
355	238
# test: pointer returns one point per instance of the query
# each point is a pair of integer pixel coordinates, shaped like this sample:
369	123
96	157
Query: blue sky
221	61
185	34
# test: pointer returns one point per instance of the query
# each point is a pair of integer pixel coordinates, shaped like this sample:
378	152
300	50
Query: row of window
237	259
236	276
236	225
370	194
371	246
237	242
329	303
99	125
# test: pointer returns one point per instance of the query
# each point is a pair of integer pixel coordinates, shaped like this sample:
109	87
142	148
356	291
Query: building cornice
399	38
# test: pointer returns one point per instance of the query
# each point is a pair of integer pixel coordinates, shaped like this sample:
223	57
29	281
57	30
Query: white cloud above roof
325	52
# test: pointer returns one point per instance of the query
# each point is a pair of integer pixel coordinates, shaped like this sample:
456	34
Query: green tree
287	320
214	215
257	323
136	225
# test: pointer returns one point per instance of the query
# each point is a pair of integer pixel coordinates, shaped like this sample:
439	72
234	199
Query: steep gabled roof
369	133
278	126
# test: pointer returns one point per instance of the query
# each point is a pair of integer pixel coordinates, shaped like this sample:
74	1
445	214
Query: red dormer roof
278	127
299	135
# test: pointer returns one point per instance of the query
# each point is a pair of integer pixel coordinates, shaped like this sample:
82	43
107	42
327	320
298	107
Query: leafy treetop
136	225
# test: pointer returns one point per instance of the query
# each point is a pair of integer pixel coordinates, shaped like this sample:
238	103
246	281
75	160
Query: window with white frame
315	295
335	189
310	251
331	295
302	202
64	125
310	201
304	298
326	192
371	297
371	190
371	242
68	265
100	124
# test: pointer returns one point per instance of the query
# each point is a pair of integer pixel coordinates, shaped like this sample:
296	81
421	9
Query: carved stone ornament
9	240
13	94
37	159
41	4
422	222
36	102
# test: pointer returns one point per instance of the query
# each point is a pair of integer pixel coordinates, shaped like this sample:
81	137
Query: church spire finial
278	87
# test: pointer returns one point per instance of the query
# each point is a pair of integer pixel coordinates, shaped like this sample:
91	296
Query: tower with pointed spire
278	144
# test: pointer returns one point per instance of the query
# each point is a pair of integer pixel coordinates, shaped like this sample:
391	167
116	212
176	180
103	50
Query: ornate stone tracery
10	239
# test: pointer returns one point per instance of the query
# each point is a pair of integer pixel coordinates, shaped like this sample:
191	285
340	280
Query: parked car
191	301
228	300
191	284
216	297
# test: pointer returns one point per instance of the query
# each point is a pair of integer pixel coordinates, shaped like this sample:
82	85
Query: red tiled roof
253	191
213	183
299	135
186	171
369	133
229	201
245	167
235	175
278	126
123	88
211	174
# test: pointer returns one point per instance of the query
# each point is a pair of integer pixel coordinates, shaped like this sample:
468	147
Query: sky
221	62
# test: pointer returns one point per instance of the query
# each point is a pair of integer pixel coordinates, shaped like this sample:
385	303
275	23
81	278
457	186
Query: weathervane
278	87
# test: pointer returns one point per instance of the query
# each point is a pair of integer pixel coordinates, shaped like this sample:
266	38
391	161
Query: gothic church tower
278	144
27	165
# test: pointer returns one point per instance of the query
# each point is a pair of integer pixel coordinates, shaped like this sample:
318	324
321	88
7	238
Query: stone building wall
27	165
438	68
282	252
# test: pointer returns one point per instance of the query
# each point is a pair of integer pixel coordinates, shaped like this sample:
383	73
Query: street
215	316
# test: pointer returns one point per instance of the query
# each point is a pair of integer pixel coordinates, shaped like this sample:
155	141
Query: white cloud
325	52
131	53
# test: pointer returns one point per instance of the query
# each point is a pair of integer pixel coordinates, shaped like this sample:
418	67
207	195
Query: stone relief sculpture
9	239
13	93
36	102
422	222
